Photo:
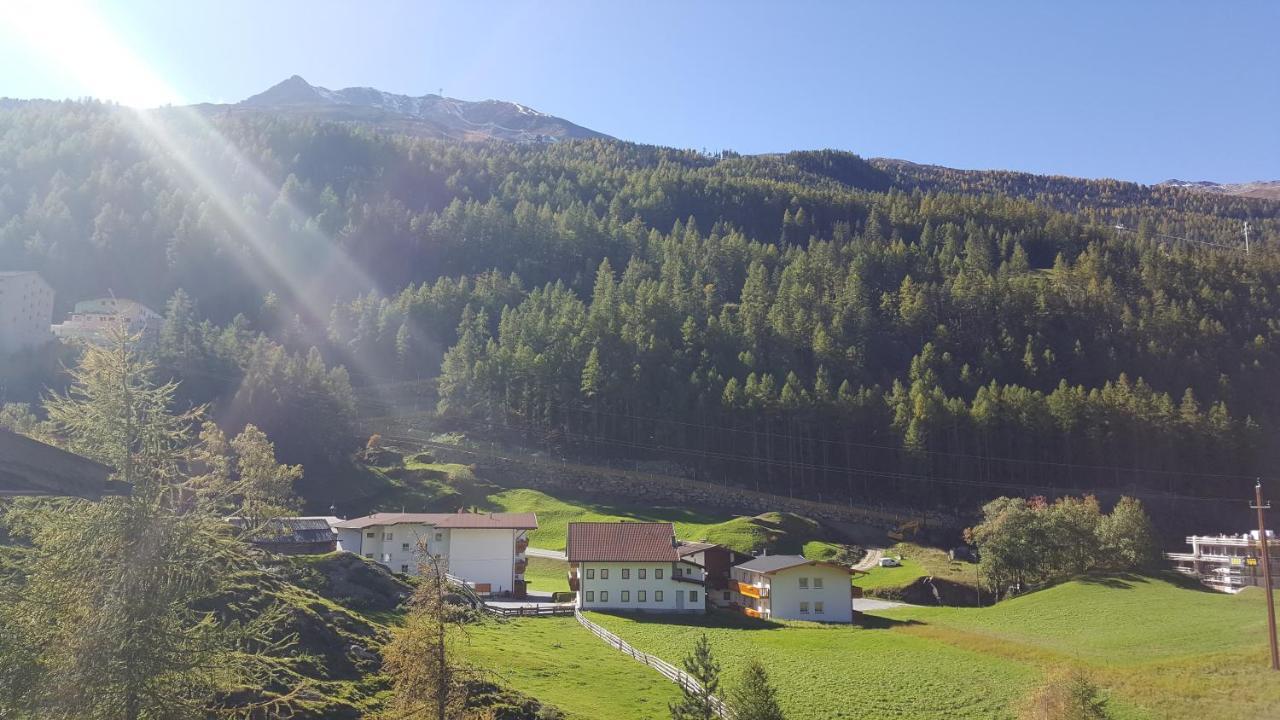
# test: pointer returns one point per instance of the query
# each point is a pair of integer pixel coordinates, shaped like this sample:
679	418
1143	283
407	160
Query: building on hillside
26	309
30	467
790	587
93	320
1228	563
712	564
298	535
484	549
632	566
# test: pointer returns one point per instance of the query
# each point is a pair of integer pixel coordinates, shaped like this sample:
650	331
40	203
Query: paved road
874	604
544	553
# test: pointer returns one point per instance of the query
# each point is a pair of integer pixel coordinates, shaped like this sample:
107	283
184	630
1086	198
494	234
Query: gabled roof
458	521
688	547
621	542
301	529
30	467
768	564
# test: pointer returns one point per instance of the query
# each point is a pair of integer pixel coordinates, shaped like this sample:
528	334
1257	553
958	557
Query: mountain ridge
431	115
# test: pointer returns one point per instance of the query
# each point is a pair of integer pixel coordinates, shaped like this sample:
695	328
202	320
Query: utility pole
1266	574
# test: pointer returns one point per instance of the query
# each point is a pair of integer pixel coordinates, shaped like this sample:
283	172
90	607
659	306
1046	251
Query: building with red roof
632	566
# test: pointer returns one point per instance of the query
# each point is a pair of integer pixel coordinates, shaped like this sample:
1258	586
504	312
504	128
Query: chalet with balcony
1228	563
632	566
790	587
487	550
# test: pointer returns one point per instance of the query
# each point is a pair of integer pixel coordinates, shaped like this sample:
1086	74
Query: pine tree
114	593
699	703
427	676
755	698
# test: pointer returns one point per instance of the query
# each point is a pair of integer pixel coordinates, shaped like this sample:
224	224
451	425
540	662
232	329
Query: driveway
544	553
870	560
874	604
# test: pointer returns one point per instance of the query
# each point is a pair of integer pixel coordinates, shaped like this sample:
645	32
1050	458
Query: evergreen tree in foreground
698	703
755	698
429	680
109	614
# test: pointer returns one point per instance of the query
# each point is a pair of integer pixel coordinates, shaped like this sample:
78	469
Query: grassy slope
780	532
1162	651
545	575
558	661
833	671
917	562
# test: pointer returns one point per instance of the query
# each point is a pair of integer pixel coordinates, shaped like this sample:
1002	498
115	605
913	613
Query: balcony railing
521	545
751	612
520	566
752	591
573	582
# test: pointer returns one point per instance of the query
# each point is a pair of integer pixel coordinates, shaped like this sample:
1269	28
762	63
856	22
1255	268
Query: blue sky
1133	90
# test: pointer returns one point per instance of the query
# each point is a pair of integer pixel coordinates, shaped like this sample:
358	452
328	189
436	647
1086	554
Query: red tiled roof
621	542
494	521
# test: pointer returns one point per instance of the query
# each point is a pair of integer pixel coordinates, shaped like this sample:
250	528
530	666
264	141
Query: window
817	607
439	537
804	608
657	596
804	583
626	596
370	535
657	574
604	573
817	583
591	596
387	536
604	596
404	547
404	569
693	596
591	574
641	573
726	596
626	573
640	595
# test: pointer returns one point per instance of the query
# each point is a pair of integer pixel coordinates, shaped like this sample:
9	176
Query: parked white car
889	562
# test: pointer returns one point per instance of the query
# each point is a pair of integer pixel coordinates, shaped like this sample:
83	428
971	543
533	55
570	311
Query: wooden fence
669	671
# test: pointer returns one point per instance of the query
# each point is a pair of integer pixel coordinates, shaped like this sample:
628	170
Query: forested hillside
806	323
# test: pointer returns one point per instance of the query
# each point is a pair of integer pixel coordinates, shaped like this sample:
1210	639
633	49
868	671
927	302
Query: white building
26	309
632	567
93	320
789	587
485	549
1228	563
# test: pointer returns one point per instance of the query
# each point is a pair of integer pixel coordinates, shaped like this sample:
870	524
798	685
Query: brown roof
29	467
481	521
621	542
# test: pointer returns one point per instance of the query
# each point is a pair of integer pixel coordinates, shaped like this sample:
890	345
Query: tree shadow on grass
879	622
1115	581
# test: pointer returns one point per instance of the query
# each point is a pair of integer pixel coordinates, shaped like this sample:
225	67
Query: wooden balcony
750	612
521	545
751	591
573	582
520	566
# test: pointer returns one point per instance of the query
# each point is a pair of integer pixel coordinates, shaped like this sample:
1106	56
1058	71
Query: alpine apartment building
790	587
93	320
632	566
26	309
1228	563
485	549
